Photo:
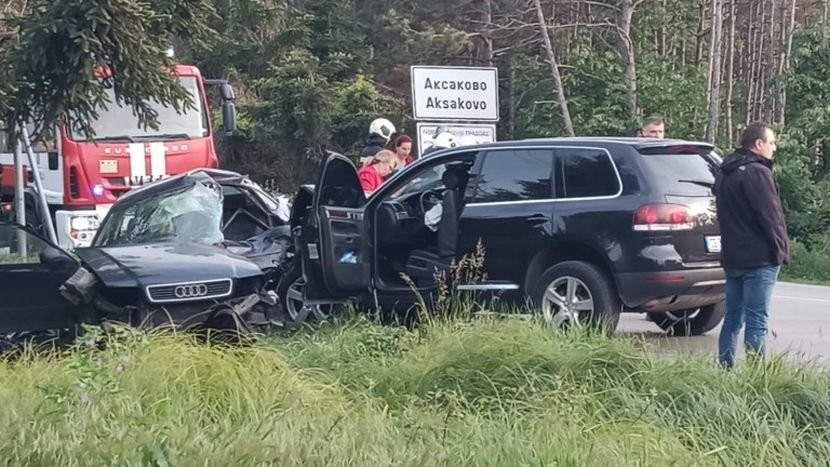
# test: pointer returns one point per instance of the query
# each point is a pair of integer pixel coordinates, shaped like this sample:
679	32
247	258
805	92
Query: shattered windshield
193	215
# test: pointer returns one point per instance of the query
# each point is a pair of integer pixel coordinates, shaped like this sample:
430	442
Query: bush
809	265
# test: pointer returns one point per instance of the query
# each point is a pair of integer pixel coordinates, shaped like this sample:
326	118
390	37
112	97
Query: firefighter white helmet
444	140
382	127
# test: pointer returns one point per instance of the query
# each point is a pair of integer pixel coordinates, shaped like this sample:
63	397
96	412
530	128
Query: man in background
380	134
754	239
653	127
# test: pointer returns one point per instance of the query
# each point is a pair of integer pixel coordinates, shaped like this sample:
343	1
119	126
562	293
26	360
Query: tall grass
455	392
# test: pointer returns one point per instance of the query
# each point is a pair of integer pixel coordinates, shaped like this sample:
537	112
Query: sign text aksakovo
455	93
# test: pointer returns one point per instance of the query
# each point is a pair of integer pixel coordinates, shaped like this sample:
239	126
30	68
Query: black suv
582	228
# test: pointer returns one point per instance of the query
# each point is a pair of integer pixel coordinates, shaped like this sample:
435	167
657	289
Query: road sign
465	133
455	93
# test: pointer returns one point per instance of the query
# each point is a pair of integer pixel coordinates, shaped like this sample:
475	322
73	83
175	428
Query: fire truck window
45	142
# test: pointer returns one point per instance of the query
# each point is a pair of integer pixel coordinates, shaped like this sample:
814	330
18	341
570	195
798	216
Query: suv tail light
663	217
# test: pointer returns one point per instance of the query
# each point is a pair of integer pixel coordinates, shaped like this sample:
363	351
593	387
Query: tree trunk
700	25
487	17
482	54
761	89
575	38
589	17
755	69
785	65
767	111
625	46
511	99
730	73
663	40
715	48
554	68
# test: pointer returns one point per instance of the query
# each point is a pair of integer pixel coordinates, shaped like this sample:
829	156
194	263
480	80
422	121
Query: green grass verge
482	392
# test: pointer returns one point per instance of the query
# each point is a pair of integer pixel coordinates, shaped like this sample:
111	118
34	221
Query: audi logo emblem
191	291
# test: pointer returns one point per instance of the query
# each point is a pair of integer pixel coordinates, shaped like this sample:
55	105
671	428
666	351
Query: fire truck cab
83	177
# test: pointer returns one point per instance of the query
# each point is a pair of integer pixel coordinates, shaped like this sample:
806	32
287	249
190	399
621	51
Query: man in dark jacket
754	239
380	133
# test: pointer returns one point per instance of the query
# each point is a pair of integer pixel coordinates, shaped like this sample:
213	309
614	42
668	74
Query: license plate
142	180
108	166
713	243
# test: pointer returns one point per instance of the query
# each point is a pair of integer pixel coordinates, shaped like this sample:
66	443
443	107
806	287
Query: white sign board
455	93
465	134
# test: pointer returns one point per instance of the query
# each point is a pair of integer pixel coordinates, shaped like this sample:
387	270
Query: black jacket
753	231
374	144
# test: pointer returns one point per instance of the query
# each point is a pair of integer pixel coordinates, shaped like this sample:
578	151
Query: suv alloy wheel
576	293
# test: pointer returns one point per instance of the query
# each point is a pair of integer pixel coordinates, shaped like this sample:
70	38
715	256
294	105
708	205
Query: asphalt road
799	327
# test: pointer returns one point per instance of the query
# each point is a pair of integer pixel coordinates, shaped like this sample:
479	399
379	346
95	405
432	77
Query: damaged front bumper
238	313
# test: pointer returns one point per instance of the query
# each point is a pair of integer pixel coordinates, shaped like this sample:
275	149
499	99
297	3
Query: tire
600	305
692	322
295	311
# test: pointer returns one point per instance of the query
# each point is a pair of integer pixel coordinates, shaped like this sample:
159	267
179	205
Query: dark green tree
54	46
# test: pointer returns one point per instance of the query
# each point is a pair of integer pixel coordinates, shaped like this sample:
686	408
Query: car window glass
18	246
429	179
515	175
421	179
683	173
587	173
340	186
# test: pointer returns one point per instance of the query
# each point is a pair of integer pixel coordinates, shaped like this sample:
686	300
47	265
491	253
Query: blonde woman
380	166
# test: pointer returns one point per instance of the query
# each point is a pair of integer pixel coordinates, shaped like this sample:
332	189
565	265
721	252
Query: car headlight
83	223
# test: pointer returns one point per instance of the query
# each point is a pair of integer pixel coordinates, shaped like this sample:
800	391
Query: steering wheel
431	198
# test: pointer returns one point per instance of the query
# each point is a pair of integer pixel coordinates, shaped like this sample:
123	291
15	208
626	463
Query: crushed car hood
143	265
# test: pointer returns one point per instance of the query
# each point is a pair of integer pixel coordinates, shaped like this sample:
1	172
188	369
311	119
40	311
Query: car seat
422	265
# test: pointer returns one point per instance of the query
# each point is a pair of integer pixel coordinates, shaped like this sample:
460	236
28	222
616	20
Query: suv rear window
681	173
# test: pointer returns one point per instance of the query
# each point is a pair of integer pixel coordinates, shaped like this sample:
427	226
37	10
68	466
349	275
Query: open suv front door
336	257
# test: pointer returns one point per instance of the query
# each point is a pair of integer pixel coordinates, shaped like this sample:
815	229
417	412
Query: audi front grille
189	291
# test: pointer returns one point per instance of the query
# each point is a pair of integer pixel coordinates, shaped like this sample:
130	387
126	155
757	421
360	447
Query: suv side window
585	173
515	175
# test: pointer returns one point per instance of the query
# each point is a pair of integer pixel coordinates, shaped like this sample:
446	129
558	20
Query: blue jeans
748	294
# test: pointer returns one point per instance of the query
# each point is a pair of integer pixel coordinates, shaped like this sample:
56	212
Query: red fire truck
82	177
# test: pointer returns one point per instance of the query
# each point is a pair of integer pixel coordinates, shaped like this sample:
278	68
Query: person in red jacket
403	147
374	173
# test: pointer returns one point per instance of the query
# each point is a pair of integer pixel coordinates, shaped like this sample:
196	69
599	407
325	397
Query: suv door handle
537	219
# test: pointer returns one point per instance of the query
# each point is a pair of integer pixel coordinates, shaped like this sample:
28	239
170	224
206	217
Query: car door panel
345	252
333	245
511	211
30	298
510	234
